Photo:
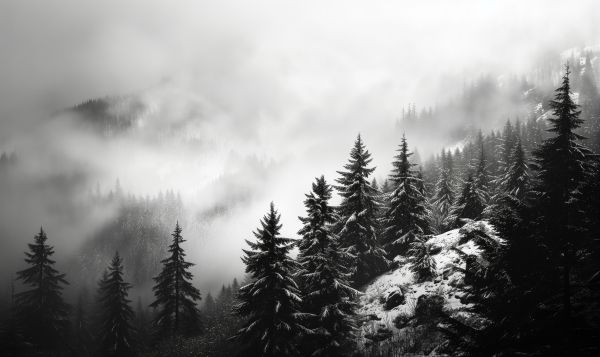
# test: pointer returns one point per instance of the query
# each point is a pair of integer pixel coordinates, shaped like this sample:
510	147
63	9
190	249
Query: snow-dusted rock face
381	319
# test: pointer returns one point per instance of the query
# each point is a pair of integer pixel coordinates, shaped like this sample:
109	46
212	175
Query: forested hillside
489	248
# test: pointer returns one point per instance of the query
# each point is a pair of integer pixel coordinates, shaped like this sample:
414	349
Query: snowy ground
446	283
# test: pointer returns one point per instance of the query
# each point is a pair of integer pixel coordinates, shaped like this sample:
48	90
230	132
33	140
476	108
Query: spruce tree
516	180
176	297
323	278
482	178
504	149
563	166
224	300
407	215
468	205
271	302
506	146
444	193
115	312
357	212
42	308
209	309
386	188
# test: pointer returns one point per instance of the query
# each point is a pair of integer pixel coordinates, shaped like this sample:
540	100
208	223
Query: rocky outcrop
394	298
404	311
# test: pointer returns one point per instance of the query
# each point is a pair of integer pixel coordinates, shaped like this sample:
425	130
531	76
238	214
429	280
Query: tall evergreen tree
224	301
357	211
482	177
444	193
209	308
175	295
563	166
468	205
323	278
271	302
516	180
506	146
42	308
407	216
115	312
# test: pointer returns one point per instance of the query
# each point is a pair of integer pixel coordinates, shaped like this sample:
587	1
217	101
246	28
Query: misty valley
303	183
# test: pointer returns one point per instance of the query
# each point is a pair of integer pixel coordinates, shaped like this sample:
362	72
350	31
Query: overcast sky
280	80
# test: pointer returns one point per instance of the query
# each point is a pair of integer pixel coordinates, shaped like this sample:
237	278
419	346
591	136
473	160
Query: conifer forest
299	178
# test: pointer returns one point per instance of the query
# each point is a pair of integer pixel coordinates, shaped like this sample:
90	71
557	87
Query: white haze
279	90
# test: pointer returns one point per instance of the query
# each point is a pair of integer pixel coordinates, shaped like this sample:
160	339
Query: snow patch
446	283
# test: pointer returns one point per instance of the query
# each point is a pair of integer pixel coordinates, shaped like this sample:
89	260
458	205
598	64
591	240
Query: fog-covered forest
276	179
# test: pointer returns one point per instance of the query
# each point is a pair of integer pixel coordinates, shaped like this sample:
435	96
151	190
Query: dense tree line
43	324
537	294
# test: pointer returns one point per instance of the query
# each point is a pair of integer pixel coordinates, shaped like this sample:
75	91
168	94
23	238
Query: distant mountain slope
110	115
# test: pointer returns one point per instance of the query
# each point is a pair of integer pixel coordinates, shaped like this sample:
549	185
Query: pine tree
175	295
96	311
42	308
516	179
468	205
209	308
506	146
224	300
444	193
235	287
357	212
562	166
323	278
386	187
482	178
115	312
271	302
407	215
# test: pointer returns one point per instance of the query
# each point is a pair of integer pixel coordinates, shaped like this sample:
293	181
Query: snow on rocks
392	297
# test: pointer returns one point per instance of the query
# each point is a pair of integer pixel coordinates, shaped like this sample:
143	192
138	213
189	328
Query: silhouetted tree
271	301
358	211
42	308
444	194
407	216
563	166
175	295
323	278
116	315
516	179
